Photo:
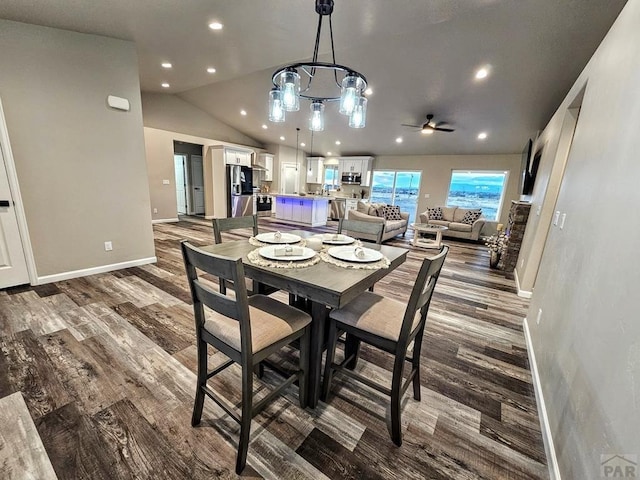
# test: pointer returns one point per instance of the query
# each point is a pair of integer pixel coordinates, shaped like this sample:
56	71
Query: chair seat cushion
443	223
271	321
375	314
391	225
460	227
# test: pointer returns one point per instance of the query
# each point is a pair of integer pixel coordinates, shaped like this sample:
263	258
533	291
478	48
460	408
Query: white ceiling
419	57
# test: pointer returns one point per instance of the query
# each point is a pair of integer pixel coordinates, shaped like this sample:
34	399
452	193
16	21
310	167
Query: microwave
351	178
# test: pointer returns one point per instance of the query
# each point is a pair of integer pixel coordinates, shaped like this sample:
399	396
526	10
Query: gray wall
587	344
80	164
171	113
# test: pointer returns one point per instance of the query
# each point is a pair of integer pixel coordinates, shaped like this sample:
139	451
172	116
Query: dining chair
391	326
245	329
368	231
234	223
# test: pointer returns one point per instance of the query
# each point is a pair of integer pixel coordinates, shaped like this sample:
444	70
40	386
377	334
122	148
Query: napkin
287	251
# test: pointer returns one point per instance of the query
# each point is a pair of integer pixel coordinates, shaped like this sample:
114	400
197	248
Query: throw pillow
471	216
362	207
435	213
378	209
392	212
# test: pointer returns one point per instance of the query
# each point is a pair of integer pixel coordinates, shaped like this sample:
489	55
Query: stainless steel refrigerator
240	201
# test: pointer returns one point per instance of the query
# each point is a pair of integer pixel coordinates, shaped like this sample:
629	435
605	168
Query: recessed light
399	140
482	136
166	65
329	153
165	85
282	139
302	144
211	70
482	73
243	112
338	142
368	91
264	126
215	26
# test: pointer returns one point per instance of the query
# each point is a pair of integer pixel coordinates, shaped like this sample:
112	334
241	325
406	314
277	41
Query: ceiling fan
431	126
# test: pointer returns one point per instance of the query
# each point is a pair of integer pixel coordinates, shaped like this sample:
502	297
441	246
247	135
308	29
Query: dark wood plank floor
106	367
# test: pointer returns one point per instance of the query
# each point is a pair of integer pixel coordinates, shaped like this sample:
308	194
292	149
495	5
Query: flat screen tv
531	163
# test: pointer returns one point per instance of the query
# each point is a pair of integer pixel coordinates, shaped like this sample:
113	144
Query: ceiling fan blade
414	126
443	129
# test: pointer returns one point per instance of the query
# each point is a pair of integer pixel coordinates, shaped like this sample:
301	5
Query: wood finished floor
106	364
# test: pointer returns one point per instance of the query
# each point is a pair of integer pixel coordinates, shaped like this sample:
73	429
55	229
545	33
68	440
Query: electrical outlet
539	210
539	316
556	217
108	246
426	195
155	210
562	219
166	182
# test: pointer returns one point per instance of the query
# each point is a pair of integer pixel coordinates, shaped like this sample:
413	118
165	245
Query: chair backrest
235	307
356	228
225	224
422	291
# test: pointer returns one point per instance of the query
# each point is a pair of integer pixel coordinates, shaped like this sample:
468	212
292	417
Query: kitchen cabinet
305	210
362	165
350	204
265	160
236	157
315	170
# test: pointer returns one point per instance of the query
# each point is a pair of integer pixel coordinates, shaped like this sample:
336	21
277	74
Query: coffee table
425	228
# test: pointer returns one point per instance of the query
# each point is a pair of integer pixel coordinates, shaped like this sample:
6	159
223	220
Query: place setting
282	250
274	238
355	256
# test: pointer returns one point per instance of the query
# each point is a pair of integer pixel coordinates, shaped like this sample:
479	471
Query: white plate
348	254
269	252
341	240
270	238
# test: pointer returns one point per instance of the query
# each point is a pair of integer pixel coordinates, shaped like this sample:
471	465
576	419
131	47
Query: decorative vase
494	259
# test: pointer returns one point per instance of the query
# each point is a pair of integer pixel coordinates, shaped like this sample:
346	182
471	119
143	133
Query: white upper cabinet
234	155
315	170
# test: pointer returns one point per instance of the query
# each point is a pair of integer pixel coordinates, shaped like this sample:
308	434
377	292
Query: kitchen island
309	210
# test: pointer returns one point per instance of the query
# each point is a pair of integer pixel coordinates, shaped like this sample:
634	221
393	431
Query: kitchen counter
307	210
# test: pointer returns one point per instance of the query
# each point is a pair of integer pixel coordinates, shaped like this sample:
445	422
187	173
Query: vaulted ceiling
419	57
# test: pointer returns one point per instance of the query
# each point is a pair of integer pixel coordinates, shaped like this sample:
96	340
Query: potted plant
497	244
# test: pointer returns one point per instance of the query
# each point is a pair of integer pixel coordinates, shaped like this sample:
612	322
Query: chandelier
286	92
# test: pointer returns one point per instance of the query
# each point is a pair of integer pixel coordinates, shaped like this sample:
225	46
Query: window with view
478	189
330	177
397	188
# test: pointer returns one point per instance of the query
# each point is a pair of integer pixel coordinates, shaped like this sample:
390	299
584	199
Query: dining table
323	286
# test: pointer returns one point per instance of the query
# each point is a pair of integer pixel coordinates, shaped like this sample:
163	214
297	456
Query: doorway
13	251
289	178
189	178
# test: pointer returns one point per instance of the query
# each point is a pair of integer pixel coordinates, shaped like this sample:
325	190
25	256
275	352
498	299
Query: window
478	189
397	188
330	177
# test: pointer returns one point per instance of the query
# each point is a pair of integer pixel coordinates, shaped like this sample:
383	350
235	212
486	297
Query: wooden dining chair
245	329
234	223
391	326
368	231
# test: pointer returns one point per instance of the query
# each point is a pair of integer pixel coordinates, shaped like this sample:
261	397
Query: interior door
290	175
197	185
13	266
181	183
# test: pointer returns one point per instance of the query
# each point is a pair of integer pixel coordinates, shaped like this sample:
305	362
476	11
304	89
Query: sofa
372	212
461	222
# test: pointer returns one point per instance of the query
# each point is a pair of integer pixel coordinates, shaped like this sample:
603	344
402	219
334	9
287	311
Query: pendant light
287	91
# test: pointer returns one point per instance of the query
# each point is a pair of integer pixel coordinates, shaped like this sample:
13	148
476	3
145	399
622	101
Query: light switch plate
563	217
556	217
166	182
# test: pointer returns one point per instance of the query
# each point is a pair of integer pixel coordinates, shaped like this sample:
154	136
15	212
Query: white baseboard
165	220
547	438
94	270
521	293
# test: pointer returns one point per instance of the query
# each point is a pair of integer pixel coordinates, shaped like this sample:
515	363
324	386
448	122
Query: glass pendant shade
276	108
352	86
316	121
358	118
290	86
